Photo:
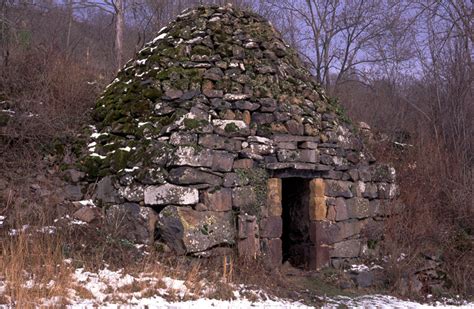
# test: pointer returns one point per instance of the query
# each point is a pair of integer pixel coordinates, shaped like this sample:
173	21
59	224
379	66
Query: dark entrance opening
295	239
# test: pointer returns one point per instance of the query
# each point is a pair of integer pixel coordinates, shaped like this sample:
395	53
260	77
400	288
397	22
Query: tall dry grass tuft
32	266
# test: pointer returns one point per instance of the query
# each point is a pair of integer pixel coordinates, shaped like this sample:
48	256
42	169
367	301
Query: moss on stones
257	178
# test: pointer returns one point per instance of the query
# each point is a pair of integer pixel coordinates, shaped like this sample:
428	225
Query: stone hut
218	139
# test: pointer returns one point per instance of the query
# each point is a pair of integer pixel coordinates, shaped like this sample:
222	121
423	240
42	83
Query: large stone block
231	127
328	233
271	227
358	208
137	223
214	141
272	251
302	155
341	209
317	187
183	138
132	193
371	191
337	188
317	208
274	196
191	156
244	197
346	249
171	194
106	191
220	200
223	161
317	200
189	231
243	163
249	247
319	257
188	176
247	226
319	251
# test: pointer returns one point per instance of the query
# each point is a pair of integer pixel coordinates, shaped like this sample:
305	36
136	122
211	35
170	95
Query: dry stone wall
199	130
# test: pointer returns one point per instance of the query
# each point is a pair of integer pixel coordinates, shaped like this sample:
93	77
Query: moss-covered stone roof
213	69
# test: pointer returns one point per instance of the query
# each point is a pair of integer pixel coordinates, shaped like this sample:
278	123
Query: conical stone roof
216	92
212	69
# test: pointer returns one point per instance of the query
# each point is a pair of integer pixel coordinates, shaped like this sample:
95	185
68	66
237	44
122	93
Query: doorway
296	243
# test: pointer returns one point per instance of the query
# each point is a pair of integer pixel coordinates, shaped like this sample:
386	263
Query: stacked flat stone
200	128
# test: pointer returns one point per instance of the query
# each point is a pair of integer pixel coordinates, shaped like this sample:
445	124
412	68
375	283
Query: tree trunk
119	28
70	13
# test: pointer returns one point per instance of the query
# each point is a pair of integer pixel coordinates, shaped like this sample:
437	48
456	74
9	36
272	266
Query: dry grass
33	269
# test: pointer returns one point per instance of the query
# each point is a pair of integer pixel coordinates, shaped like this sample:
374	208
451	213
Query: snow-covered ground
115	289
109	290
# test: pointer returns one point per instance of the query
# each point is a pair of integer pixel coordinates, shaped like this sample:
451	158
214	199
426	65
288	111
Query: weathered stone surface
220	200
214	141
183	138
341	209
317	208
294	138
371	191
248	244
387	191
244	197
317	200
74	175
308	145
346	249
365	174
358	189
188	231
271	227
188	175
235	180
106	191
223	161
317	187
243	163
336	188
170	194
304	155
319	252
187	155
87	214
137	224
271	249
268	105
274	196
132	193
73	192
153	176
231	127
287	145
358	208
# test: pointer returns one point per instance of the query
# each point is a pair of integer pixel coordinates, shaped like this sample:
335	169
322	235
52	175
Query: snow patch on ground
386	301
113	289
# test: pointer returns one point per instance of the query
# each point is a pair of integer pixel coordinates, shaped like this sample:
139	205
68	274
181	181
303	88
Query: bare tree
336	38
